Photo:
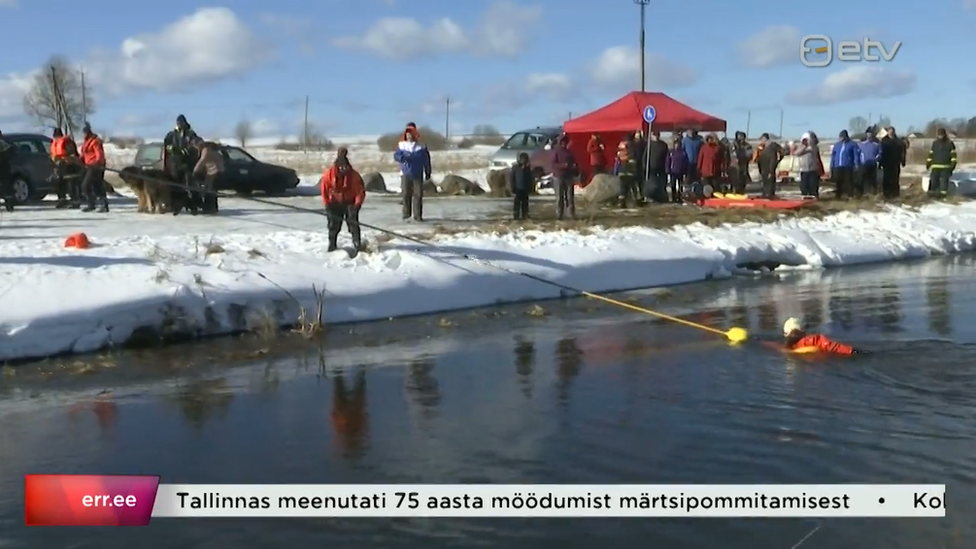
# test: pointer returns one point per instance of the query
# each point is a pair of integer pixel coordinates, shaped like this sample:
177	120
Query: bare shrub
486	134
434	140
314	140
121	142
243	132
466	143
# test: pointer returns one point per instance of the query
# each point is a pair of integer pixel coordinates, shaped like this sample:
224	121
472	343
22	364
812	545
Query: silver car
526	141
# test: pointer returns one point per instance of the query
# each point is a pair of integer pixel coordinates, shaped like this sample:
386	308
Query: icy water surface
581	394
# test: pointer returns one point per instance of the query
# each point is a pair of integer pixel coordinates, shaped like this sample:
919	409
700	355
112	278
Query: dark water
584	395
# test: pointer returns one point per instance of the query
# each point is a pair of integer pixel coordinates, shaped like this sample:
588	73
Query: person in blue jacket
844	159
866	179
692	143
414	160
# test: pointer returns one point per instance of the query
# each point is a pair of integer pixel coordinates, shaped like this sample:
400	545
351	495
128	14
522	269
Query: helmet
791	325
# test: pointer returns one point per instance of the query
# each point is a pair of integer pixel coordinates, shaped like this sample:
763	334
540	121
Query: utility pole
570	115
781	116
643	66
84	99
748	122
447	119
305	128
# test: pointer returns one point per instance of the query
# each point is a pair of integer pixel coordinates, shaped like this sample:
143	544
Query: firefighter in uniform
93	184
64	156
179	159
942	161
626	170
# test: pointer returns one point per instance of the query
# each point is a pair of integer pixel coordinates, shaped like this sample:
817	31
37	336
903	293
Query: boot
104	208
61	205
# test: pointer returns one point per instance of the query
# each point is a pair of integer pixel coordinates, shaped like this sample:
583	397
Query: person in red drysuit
795	337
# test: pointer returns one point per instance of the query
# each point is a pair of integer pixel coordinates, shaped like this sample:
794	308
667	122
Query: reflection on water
203	399
350	415
569	364
422	387
889	314
524	353
937	294
652	402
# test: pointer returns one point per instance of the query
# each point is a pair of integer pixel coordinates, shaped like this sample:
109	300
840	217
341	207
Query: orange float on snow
77	240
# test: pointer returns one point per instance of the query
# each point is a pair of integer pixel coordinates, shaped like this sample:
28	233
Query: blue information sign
650	113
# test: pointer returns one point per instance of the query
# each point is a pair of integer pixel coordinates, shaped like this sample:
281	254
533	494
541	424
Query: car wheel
276	189
21	189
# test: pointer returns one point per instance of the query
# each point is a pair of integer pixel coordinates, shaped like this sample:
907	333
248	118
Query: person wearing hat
796	338
894	156
6	173
208	171
343	194
869	157
414	160
93	183
844	159
942	160
740	156
179	154
64	156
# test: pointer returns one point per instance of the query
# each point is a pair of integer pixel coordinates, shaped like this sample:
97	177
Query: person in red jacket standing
343	193
597	151
711	162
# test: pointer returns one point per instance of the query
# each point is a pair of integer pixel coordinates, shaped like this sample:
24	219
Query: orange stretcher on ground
720	200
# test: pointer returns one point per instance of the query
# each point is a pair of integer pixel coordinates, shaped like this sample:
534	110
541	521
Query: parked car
532	141
242	172
32	167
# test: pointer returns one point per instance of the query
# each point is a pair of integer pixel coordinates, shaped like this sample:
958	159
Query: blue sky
369	66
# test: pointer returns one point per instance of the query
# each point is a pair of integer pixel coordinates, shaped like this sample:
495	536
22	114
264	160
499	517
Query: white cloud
853	83
13	87
8	3
504	30
618	67
209	45
553	85
969	4
772	46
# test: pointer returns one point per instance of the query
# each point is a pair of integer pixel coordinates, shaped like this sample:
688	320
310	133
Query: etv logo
818	50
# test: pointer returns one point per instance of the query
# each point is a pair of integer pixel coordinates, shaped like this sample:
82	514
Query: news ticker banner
114	500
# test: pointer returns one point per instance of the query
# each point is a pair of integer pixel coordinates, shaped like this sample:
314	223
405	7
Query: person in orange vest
343	193
350	413
64	155
795	338
93	184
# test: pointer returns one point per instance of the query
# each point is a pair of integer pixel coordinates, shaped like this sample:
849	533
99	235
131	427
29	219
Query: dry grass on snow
664	216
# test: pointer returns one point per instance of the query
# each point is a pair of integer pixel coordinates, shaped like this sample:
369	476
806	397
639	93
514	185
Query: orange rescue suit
822	343
92	152
343	188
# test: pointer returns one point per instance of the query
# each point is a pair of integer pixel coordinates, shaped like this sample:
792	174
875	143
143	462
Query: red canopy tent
626	115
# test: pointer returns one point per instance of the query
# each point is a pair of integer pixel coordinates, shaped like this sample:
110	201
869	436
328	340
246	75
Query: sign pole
650	113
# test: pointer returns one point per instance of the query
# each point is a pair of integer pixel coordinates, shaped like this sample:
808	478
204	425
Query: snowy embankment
58	300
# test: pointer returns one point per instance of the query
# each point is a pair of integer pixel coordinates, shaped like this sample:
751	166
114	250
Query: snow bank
58	300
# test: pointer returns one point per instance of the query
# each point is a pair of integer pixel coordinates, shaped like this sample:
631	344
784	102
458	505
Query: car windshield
238	155
527	141
149	154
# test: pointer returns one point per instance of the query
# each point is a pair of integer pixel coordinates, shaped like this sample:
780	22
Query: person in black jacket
640	152
655	188
942	161
522	182
893	158
740	157
6	173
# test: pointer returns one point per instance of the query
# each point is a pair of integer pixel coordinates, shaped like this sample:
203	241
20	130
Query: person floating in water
796	338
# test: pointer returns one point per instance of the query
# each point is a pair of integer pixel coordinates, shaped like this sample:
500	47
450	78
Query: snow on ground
151	271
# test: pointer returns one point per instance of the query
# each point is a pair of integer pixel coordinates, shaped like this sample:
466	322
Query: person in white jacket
807	158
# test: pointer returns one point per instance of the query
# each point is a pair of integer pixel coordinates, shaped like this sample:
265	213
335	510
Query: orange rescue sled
740	201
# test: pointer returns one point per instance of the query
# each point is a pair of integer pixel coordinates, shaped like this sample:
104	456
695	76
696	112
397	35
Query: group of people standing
654	170
854	165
